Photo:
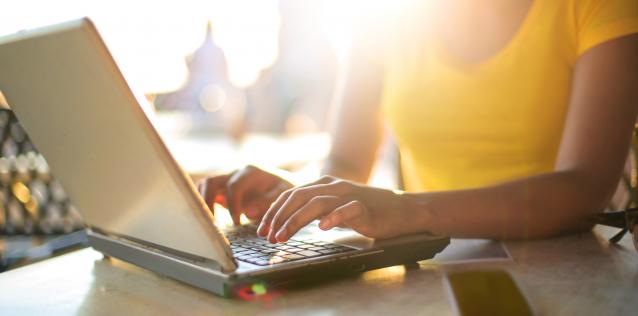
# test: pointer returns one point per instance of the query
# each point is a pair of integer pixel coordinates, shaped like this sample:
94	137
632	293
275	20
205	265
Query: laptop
138	204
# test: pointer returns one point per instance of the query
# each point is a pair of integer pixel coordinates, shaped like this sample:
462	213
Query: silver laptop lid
74	103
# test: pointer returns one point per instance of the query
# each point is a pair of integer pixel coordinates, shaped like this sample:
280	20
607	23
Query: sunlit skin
602	112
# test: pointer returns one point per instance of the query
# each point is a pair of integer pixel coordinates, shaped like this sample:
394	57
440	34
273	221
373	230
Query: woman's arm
602	113
601	117
356	134
357	127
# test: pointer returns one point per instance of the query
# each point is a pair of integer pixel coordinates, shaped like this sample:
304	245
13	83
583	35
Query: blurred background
225	82
251	77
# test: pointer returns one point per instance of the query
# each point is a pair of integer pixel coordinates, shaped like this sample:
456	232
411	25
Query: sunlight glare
151	39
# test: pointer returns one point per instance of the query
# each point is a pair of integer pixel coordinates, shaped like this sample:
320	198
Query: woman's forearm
344	169
534	207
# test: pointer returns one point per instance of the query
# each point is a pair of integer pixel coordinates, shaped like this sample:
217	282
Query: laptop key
249	248
276	259
308	253
286	247
293	257
329	251
252	260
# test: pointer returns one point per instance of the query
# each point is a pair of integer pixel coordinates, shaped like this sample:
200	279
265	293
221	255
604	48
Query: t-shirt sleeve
599	21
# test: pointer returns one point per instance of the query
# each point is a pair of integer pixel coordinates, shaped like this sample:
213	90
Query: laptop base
191	273
213	279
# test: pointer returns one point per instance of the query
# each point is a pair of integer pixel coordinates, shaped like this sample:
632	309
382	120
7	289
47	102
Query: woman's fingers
212	188
236	187
297	199
250	183
249	190
256	206
221	199
312	210
264	226
343	214
284	196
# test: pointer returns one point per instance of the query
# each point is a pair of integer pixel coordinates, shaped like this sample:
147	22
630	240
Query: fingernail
324	223
281	235
261	230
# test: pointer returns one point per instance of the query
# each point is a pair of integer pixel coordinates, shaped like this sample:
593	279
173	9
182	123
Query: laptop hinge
96	237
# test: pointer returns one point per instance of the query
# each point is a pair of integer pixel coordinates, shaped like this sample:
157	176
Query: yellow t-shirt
460	125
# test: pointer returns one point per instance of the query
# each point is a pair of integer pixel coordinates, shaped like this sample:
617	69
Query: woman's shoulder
598	21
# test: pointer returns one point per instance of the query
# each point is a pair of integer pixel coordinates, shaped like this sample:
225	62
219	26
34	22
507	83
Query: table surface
572	275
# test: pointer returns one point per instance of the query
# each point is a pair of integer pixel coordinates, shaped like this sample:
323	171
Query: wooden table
573	275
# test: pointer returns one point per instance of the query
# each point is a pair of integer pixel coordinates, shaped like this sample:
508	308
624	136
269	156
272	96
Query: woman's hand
249	190
370	211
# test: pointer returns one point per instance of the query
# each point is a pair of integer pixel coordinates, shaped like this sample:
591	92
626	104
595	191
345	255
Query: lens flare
257	291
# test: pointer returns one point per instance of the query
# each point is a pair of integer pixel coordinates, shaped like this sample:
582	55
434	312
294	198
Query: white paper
472	250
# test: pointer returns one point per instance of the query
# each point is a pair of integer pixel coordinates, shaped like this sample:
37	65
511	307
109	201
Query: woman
513	119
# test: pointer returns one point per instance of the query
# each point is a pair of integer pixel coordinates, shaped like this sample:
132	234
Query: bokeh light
150	39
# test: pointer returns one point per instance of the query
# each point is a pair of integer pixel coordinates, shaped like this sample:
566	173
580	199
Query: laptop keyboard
249	247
